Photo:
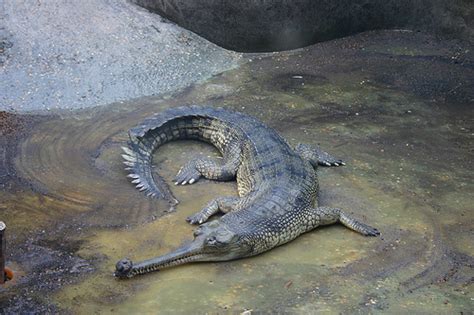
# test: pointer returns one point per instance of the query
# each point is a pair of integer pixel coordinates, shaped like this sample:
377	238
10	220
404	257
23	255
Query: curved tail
192	122
140	173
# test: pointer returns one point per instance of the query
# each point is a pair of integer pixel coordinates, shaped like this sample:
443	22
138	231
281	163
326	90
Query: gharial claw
187	176
198	218
316	156
370	231
331	162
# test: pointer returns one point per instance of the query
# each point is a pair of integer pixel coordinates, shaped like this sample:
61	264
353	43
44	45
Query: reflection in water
406	141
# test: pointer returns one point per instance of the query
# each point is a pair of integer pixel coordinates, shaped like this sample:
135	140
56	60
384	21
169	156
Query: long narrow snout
125	268
213	241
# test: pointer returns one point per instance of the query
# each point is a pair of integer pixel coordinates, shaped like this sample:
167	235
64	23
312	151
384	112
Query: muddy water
395	106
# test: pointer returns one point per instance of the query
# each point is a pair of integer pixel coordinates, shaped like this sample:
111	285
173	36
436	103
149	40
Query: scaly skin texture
277	185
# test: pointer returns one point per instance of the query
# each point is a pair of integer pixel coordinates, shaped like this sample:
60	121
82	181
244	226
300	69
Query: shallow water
395	106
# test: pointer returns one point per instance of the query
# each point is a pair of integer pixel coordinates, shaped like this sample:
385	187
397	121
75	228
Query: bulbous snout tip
123	268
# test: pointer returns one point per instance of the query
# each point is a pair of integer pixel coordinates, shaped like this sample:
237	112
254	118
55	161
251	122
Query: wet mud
396	106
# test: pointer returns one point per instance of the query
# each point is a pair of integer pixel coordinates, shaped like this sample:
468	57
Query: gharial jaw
213	241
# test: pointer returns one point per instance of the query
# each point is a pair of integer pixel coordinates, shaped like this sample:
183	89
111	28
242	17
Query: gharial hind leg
325	216
316	156
224	169
224	204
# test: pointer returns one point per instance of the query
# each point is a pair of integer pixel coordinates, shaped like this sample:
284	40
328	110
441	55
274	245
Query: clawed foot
316	156
328	160
198	218
187	175
368	230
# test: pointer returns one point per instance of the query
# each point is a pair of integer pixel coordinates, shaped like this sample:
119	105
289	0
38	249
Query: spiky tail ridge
140	173
172	124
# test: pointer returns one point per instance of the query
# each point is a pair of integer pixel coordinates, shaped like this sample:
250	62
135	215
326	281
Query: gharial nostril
123	265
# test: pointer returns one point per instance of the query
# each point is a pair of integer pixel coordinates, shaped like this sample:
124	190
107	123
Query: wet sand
396	106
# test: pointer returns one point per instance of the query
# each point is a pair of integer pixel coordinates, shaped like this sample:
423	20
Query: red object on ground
8	274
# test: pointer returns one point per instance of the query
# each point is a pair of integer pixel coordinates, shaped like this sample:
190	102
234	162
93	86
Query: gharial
277	185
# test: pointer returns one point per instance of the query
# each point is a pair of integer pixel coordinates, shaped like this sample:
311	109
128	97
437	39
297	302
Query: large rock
268	25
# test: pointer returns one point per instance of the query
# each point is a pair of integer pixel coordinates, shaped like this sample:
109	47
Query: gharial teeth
129	158
127	150
143	188
128	163
140	185
136	181
133	176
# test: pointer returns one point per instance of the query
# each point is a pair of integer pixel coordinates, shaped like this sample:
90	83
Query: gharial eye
211	240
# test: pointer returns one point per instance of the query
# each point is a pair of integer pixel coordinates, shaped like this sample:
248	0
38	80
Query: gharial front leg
224	169
325	216
316	156
223	204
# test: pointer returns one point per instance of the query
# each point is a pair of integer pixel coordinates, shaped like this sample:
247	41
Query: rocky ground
78	54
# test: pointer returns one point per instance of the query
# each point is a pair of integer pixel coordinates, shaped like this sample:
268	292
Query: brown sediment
13	128
404	135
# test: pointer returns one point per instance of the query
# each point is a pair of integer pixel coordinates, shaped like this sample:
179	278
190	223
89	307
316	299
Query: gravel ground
77	54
